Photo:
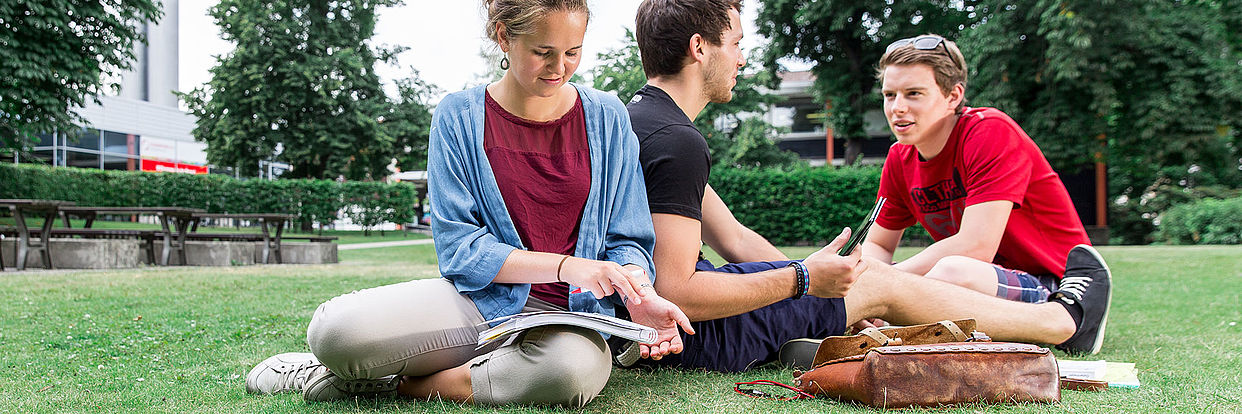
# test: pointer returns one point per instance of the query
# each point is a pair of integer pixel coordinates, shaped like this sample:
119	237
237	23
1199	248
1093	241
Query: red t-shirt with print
988	158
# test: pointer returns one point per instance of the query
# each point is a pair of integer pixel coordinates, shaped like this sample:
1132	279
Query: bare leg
450	384
904	298
970	273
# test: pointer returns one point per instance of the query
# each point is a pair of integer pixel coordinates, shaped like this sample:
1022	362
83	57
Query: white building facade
142	128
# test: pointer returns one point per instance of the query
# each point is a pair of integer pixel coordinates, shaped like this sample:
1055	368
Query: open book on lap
510	325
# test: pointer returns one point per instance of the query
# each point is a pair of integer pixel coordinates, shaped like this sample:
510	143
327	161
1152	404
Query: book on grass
1116	374
510	325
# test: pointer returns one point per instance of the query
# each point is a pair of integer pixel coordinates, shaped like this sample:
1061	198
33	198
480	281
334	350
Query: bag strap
955	330
739	387
880	337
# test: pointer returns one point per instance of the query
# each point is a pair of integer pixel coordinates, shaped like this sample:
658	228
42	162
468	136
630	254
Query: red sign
161	166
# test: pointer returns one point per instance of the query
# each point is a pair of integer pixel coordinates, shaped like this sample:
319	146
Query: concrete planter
118	254
212	253
300	253
80	254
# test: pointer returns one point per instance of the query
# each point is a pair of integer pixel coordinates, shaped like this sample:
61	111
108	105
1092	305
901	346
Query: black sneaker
1087	284
799	354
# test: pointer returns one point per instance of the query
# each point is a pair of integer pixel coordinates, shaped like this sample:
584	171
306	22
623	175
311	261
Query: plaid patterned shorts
1021	286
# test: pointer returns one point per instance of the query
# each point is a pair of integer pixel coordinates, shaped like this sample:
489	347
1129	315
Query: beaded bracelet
804	279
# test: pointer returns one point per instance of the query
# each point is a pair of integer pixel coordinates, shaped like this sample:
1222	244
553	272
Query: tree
56	54
735	136
1122	81
843	40
408	122
300	87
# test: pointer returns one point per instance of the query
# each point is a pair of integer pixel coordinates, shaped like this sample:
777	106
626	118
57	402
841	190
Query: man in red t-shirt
1001	218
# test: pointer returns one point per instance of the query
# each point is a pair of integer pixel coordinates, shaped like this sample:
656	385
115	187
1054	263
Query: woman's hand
664	316
602	278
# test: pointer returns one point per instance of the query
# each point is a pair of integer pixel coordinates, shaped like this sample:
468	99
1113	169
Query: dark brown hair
946	61
520	16
664	29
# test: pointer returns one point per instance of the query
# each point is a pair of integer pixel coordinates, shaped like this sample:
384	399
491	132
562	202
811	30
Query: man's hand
664	316
832	275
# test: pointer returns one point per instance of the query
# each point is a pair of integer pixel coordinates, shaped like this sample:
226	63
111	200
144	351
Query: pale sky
444	37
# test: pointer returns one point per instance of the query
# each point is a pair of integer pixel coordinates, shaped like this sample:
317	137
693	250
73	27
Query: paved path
355	246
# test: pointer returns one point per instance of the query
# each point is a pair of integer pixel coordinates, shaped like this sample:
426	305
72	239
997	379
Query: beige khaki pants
420	327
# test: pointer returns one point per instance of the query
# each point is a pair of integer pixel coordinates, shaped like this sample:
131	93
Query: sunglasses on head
924	42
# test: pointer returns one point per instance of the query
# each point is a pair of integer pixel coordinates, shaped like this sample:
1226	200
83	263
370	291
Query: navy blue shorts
741	342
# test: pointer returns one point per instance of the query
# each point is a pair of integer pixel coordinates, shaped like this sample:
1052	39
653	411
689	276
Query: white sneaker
326	386
286	372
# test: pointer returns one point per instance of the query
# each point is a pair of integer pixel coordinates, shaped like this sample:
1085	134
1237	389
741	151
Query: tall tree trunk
853	148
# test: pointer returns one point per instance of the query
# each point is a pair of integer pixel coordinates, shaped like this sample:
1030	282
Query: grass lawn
181	339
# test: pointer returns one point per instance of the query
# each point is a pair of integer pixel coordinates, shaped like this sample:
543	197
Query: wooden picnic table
173	224
26	244
271	243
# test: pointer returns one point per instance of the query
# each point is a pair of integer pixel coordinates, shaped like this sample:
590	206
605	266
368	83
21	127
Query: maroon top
543	170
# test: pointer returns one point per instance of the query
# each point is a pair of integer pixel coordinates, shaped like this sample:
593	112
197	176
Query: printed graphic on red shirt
942	204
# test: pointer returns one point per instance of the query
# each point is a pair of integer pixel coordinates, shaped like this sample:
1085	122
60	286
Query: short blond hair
945	59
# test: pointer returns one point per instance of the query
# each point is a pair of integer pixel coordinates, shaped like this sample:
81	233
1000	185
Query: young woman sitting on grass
538	203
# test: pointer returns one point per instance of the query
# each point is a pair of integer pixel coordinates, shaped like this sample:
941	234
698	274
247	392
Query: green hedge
804	204
1207	221
313	201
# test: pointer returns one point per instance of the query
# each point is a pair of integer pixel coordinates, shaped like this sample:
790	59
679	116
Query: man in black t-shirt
691	56
749	315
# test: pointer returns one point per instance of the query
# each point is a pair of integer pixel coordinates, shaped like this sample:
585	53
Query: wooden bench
243	237
267	223
173	223
313	239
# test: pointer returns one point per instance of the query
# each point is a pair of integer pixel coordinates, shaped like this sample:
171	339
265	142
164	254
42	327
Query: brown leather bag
938	374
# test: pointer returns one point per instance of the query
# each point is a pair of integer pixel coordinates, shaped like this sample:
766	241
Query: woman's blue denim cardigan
473	231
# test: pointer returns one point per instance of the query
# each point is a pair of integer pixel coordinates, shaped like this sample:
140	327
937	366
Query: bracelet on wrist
804	279
559	266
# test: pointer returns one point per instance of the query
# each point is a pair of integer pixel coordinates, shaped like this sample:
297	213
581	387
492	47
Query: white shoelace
1072	288
295	378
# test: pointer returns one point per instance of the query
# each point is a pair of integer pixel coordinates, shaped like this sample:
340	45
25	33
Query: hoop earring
504	63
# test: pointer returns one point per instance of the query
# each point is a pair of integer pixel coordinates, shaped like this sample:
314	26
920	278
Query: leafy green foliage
1128	82
408	122
800	204
735	137
300	87
844	39
56	54
1207	221
317	201
620	70
369	205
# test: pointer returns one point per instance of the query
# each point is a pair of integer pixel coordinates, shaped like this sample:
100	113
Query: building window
85	139
81	159
808	117
112	162
118	143
39	157
45	140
